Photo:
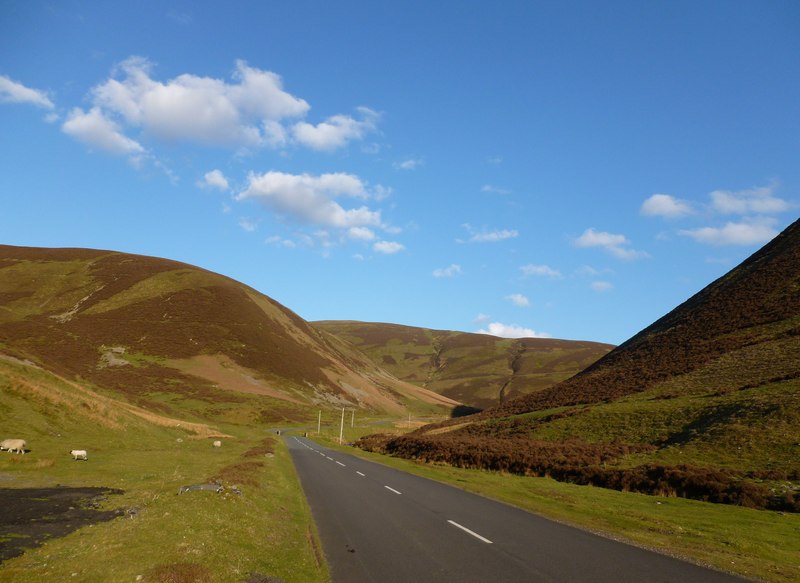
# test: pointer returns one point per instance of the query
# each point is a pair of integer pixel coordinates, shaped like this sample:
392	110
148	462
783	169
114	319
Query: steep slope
703	403
476	369
157	330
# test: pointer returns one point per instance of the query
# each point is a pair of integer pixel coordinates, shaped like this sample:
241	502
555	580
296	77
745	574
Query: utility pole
319	421
353	418
341	429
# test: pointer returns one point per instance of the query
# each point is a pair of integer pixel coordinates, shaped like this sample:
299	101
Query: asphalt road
382	525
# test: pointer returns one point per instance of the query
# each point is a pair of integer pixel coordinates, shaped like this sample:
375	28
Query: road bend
382	525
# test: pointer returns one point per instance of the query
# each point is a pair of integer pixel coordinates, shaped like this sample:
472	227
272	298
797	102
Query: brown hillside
726	316
476	369
704	403
146	327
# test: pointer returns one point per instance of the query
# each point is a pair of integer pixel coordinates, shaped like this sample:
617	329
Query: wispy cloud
452	271
484	236
511	331
743	233
96	130
14	92
616	245
519	300
601	286
410	164
540	270
388	247
494	189
759	200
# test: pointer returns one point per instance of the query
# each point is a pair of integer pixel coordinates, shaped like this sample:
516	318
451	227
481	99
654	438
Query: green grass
267	530
756	544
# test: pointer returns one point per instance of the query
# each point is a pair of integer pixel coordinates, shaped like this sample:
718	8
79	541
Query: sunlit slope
157	330
704	403
476	369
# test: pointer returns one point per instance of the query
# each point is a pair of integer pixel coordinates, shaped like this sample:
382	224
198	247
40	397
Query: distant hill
159	332
476	369
703	403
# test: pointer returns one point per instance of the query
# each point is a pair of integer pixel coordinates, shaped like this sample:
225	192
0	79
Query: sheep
14	445
217	443
79	454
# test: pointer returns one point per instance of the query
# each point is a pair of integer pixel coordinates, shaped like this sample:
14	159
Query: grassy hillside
157	331
476	369
146	457
704	403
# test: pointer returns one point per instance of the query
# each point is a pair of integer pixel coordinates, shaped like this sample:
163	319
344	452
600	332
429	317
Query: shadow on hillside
463	411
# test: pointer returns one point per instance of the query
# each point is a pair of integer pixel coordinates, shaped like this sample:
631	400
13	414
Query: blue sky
572	170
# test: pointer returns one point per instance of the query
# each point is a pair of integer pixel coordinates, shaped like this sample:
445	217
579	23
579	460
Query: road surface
381	525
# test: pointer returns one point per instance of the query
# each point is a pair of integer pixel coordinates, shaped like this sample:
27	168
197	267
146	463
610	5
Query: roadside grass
267	529
753	543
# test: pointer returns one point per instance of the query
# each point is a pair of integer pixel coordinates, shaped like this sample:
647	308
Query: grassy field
752	543
161	536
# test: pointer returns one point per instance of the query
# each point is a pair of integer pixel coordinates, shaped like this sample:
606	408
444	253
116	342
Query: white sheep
217	443
79	454
14	445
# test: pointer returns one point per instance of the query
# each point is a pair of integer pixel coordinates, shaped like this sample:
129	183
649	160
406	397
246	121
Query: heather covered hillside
704	403
476	369
157	332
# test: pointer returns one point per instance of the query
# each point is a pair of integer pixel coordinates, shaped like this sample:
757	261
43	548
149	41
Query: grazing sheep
14	445
217	443
79	454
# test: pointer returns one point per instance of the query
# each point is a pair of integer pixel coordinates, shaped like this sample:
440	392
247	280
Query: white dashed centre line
392	489
473	533
341	464
360	474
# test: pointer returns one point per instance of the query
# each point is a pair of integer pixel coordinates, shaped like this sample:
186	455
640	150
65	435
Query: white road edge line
392	489
360	474
341	464
473	533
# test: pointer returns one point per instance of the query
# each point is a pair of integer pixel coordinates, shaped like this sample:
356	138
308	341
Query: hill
704	403
158	332
475	369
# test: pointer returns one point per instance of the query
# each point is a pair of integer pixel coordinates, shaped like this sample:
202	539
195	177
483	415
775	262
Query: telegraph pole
341	429
353	418
319	421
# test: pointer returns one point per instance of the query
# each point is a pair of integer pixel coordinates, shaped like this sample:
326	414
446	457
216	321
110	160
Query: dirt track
31	516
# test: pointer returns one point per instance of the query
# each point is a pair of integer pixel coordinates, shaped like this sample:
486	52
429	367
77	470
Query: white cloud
248	224
452	271
759	200
745	233
13	92
540	270
361	233
494	189
490	236
388	247
667	206
481	318
410	164
511	331
309	199
601	286
494	160
200	109
617	245
280	241
95	129
215	179
336	131
519	300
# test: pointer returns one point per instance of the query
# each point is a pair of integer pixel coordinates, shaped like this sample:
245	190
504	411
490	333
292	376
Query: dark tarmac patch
29	517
